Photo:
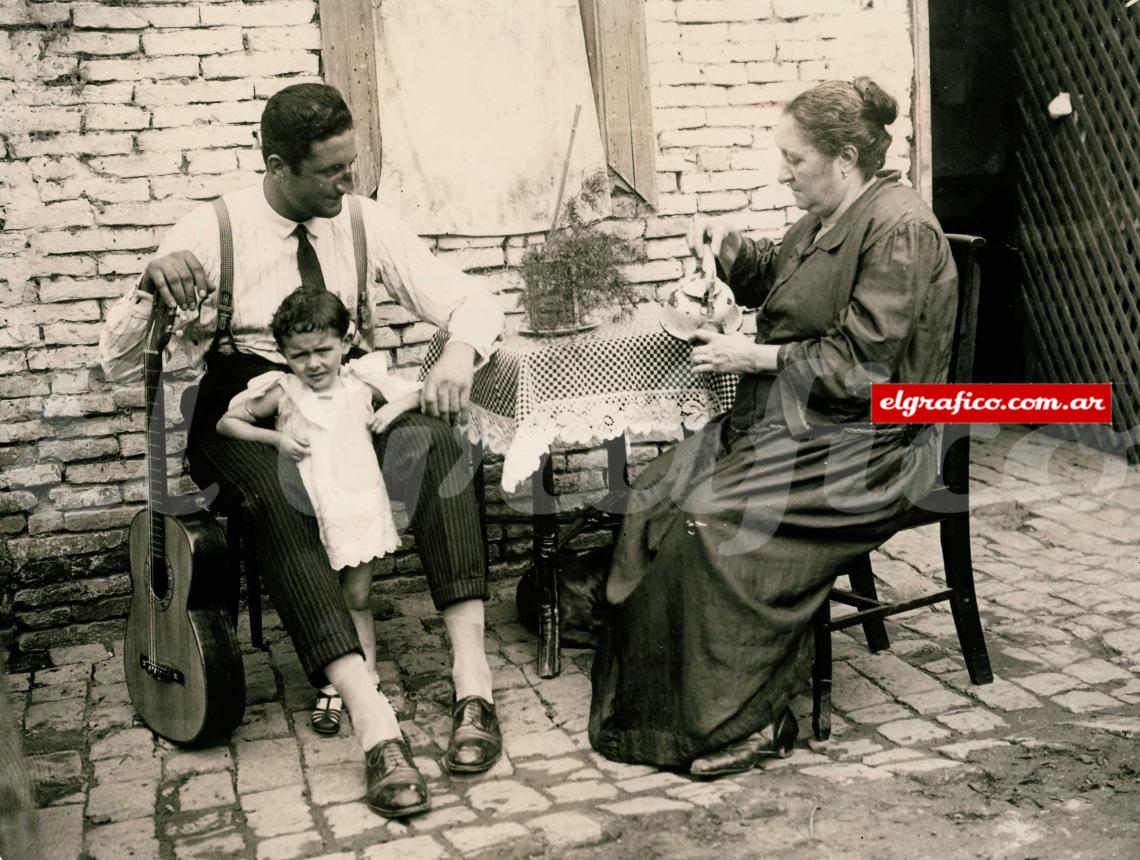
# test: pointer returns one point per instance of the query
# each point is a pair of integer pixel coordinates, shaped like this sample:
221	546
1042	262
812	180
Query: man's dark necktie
311	275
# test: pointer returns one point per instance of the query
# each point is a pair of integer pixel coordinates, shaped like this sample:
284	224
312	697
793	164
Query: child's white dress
340	473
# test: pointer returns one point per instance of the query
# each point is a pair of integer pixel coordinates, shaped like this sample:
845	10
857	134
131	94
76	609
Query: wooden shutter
348	52
619	70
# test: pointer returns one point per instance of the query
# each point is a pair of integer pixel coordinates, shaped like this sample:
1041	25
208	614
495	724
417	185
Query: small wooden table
583	390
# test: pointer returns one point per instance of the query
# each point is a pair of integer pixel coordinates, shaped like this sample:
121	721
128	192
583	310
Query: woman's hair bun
878	106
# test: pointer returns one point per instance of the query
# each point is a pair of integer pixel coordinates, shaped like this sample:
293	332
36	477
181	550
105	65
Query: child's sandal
325	718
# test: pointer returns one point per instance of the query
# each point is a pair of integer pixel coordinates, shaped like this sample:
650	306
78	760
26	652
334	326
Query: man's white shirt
265	272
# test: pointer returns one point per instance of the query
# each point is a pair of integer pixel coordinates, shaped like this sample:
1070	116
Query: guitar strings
151	548
155	429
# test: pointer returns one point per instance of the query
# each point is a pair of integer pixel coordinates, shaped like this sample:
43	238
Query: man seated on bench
295	229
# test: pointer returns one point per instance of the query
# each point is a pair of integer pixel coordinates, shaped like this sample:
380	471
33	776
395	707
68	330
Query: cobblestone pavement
1042	763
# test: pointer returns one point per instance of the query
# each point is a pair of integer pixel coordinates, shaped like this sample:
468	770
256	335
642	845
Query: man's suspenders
223	336
360	250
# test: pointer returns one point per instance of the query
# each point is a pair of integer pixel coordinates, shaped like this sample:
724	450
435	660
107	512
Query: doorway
974	137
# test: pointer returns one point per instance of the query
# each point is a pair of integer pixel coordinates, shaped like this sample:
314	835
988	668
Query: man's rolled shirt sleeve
124	333
121	341
433	290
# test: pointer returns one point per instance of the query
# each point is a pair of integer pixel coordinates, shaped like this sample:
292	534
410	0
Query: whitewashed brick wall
117	117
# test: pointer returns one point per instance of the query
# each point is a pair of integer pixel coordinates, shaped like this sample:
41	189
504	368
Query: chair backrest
965	251
956	437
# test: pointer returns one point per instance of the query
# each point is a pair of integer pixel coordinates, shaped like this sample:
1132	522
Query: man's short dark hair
297	117
307	309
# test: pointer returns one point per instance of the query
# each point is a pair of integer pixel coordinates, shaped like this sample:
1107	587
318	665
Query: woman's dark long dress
734	537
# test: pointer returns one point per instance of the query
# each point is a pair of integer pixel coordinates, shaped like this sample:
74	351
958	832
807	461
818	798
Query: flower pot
552	314
551	311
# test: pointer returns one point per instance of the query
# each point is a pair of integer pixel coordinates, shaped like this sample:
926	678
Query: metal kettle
701	301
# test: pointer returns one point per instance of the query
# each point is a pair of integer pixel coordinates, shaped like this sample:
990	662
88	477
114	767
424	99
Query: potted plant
578	270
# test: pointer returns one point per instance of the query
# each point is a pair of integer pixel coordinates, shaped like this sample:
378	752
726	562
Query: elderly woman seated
733	538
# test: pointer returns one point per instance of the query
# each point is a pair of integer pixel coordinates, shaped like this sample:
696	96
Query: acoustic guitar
183	665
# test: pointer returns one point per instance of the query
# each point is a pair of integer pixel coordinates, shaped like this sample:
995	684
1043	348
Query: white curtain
477	98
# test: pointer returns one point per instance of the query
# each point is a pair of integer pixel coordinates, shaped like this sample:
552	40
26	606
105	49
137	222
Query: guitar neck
156	431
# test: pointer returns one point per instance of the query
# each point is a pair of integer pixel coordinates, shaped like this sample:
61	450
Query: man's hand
178	278
292	448
447	388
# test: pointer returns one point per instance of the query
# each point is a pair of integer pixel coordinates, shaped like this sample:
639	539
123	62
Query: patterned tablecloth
580	390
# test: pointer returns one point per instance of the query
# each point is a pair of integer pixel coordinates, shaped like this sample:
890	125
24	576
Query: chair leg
253	600
545	528
821	673
863	583
233	553
963	601
617	480
235	542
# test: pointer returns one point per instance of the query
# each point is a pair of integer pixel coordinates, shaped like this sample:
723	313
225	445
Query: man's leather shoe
395	788
476	740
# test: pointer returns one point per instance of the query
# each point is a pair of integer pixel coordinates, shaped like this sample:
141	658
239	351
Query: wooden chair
243	558
947	505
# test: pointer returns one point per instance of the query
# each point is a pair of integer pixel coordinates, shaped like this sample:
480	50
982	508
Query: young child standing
323	416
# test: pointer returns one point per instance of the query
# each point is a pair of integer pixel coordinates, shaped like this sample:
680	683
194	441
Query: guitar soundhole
160	585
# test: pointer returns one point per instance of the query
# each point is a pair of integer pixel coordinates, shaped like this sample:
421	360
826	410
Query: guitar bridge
160	672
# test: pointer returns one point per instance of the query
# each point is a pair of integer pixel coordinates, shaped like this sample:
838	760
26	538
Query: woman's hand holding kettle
715	233
702	300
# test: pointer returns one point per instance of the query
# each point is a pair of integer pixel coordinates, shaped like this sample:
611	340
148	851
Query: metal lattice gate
1079	189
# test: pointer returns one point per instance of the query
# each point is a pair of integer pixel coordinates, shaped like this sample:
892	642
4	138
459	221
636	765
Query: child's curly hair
307	309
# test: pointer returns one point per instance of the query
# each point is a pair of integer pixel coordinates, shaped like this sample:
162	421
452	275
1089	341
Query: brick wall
117	117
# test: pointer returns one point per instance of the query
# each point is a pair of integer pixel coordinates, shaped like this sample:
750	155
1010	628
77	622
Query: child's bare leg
356	586
379	718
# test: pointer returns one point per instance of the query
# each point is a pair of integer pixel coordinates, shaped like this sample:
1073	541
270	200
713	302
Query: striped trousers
424	466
